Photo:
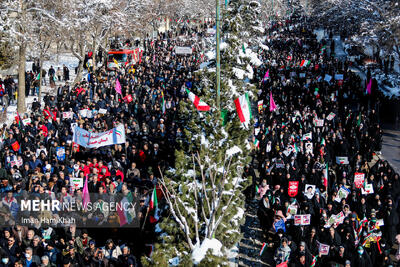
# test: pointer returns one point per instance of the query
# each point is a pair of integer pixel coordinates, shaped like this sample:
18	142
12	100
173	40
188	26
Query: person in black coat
391	220
361	258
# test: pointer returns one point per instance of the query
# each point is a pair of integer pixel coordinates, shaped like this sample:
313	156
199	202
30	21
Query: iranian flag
125	210
243	108
326	174
153	205
200	105
305	63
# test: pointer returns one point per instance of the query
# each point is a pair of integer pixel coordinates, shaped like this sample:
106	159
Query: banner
293	188
183	50
60	152
95	140
303	219
359	179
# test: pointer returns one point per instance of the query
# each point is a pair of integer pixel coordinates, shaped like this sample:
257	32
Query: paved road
391	145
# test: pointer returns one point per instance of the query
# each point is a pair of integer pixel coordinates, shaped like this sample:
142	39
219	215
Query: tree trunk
40	79
78	77
59	44
94	48
21	106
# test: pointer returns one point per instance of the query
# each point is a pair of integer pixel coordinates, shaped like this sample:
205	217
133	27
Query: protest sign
60	152
338	77
327	78
331	116
102	111
292	209
369	189
323	248
67	115
76	183
183	50
280	164
27	121
309	148
343	193
359	179
280	225
307	136
309	191
293	188
342	160
303	219
318	122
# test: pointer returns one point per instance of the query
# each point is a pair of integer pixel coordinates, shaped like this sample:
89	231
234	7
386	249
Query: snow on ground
64	59
200	251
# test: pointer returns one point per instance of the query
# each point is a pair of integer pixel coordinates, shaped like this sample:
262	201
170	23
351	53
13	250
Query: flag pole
218	57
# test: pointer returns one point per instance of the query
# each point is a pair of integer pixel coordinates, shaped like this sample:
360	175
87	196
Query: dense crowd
308	152
39	159
321	199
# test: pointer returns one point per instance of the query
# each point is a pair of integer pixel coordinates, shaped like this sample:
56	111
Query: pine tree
204	190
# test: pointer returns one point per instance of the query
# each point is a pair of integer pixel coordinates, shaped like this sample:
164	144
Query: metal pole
218	70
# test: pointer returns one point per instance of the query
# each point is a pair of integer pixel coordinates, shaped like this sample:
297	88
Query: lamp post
218	57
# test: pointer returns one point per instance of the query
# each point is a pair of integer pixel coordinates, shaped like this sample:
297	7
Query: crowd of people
321	201
40	161
325	197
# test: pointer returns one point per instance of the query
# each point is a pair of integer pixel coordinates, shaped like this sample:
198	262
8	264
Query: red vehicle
124	57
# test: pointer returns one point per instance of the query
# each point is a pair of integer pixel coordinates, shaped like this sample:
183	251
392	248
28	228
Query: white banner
95	140
183	50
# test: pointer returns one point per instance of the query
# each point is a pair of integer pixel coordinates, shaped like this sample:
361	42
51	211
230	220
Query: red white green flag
154	206
243	108
200	105
305	63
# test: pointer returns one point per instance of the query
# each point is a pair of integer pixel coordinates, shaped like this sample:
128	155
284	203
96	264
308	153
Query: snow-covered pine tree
204	195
